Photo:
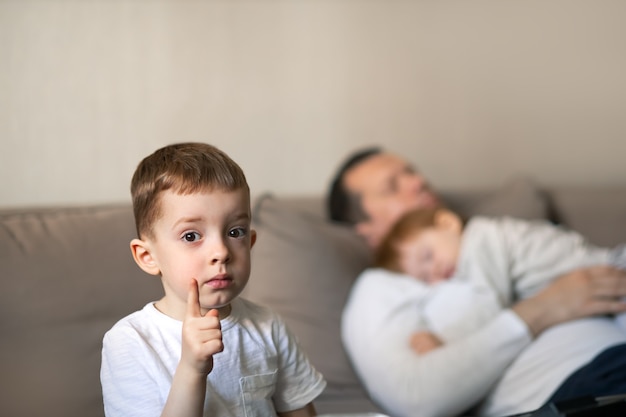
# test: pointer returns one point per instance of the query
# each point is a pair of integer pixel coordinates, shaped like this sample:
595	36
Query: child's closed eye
426	255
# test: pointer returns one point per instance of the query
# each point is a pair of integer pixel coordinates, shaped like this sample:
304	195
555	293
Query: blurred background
473	92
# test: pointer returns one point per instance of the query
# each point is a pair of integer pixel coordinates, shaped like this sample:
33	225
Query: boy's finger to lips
193	299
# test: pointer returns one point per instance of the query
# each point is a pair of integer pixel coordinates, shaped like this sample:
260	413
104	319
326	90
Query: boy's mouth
220	281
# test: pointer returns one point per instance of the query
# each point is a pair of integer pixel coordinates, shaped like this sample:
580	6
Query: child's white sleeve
457	309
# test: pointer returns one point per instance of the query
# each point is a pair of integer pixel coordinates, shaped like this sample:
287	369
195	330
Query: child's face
205	236
431	255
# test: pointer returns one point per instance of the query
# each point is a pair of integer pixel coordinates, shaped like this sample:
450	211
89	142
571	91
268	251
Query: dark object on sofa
611	406
68	275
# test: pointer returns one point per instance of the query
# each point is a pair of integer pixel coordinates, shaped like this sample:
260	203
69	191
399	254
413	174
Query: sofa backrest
598	213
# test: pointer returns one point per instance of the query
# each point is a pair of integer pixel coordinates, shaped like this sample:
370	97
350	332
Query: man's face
389	187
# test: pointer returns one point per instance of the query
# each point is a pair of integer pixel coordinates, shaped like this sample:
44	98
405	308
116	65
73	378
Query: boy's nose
219	253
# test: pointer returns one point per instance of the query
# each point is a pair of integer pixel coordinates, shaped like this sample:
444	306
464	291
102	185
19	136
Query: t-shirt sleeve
125	377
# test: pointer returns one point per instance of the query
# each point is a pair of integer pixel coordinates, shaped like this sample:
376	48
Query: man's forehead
374	171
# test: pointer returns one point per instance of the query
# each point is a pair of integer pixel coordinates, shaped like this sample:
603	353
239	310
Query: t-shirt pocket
257	392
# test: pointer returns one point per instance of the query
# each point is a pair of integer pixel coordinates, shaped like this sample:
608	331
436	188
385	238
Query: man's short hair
344	206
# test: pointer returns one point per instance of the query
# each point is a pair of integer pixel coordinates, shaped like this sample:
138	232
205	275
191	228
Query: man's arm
404	382
582	293
377	323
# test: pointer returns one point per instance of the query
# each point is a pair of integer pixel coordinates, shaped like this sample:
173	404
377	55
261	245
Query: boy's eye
191	236
237	232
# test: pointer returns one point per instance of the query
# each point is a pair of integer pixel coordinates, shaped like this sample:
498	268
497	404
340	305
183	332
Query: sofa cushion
518	197
68	275
599	213
303	268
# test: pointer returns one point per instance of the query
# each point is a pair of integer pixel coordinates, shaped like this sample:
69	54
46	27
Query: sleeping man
521	358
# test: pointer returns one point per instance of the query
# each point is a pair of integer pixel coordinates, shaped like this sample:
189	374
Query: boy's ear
448	220
252	237
143	257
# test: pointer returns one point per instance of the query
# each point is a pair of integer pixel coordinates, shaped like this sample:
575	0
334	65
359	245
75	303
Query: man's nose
414	181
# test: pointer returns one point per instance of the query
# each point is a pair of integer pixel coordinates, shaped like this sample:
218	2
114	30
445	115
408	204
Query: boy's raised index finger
193	300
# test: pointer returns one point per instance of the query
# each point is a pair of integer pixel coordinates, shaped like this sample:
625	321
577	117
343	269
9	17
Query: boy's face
204	236
431	255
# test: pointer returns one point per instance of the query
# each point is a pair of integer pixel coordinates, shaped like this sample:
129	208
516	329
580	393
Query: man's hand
202	335
581	293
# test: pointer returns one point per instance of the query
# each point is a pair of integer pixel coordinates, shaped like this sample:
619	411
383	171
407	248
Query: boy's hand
202	335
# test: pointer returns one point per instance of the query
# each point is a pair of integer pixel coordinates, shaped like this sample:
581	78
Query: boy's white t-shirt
261	371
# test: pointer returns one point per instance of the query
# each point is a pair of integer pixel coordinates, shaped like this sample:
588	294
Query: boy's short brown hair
183	168
387	256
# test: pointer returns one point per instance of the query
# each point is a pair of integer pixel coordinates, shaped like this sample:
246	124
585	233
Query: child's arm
306	411
201	339
424	342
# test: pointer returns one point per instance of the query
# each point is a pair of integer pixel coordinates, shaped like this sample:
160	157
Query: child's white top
261	371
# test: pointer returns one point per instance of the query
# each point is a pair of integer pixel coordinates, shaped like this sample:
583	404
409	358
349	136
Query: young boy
494	262
200	350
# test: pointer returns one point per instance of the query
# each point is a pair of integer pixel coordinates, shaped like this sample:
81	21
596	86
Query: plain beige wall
472	91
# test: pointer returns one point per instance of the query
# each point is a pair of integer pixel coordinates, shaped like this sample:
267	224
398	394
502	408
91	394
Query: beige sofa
67	276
